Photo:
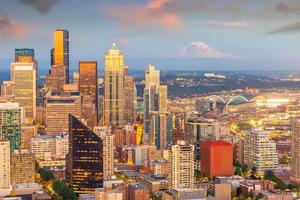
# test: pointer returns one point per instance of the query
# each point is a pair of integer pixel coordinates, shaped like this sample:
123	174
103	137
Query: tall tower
4	164
129	91
295	150
84	162
61	50
24	74
181	158
114	87
155	96
88	88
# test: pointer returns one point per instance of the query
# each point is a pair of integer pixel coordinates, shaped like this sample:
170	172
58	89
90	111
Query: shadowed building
84	163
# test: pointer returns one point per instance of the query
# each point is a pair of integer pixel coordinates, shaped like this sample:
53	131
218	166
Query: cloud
144	17
11	28
199	49
241	24
294	27
42	6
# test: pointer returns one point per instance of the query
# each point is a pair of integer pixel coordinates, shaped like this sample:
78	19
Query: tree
46	175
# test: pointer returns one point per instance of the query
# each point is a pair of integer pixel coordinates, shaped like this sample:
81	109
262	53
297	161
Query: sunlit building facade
114	87
260	151
24	74
61	50
57	110
181	161
22	167
88	88
84	162
129	92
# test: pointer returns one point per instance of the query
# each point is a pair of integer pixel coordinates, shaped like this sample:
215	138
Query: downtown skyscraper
84	162
155	99
295	150
24	74
61	50
88	88
114	87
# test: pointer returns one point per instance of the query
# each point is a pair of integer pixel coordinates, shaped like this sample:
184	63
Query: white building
260	151
181	175
108	150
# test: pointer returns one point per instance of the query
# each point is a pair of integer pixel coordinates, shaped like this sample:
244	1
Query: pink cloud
11	28
144	16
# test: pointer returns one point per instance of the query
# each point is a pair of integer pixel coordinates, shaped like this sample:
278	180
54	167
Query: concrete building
260	151
4	164
57	110
25	76
102	194
22	167
295	150
181	158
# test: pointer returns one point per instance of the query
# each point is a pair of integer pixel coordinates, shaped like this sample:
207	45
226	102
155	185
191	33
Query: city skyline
242	36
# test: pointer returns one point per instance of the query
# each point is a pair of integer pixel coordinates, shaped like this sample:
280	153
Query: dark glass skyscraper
84	164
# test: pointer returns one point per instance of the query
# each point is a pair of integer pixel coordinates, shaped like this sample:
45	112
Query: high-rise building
56	79
155	96
88	88
4	163
22	167
61	50
181	158
114	87
11	119
260	151
108	151
129	92
160	130
216	158
295	150
57	110
24	74
138	191
84	162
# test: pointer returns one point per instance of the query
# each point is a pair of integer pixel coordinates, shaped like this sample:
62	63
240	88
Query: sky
233	35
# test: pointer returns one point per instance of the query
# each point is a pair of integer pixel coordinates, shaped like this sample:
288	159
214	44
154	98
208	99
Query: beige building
260	151
22	167
57	110
114	87
295	150
108	150
42	147
181	158
4	164
25	77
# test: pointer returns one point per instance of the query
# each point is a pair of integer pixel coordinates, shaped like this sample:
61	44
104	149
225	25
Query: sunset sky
172	34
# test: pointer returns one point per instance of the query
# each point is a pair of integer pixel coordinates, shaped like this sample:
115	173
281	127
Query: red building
138	192
216	158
